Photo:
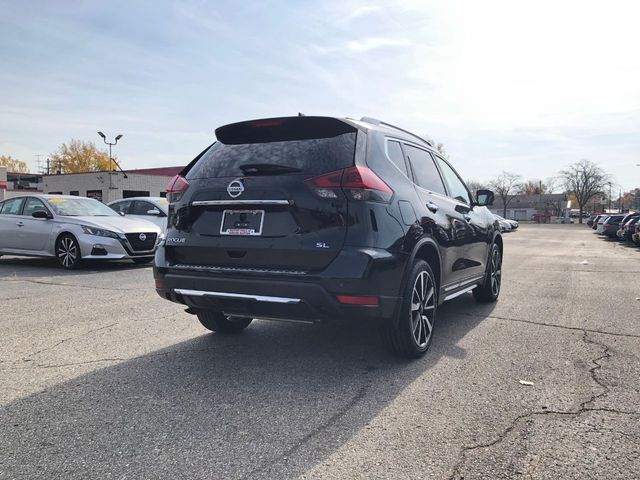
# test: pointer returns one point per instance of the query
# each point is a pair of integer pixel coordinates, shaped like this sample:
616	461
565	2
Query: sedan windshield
80	207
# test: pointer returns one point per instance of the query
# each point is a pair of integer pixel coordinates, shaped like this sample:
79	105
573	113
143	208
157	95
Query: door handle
432	207
20	224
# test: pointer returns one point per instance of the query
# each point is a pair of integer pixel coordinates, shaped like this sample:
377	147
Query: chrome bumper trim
201	203
236	296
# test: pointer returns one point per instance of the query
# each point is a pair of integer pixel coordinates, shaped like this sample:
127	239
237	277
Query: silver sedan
73	229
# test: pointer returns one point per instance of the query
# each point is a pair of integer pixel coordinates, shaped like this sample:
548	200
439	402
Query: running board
457	294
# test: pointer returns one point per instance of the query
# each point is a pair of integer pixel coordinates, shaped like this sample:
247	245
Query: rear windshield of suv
306	145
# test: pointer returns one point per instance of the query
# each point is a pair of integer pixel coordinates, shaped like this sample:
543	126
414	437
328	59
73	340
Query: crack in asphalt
583	408
24	359
122	359
552	325
58	284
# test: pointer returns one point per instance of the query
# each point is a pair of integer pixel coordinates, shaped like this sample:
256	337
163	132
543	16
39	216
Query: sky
527	87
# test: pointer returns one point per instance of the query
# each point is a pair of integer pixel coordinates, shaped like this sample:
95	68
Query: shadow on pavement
269	403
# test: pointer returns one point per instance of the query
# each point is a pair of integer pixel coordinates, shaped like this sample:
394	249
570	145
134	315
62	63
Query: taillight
176	188
358	183
327	185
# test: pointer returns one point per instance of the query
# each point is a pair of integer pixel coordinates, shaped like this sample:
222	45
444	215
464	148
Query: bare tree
475	185
584	180
552	184
505	186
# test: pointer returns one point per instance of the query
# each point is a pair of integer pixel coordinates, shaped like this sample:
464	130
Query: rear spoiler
282	129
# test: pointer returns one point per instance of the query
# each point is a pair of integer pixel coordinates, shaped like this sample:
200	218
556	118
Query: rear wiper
267	169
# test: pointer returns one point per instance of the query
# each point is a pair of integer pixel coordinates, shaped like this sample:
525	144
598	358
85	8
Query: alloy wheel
67	252
422	309
496	272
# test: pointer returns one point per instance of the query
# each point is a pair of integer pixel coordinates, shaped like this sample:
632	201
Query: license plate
242	222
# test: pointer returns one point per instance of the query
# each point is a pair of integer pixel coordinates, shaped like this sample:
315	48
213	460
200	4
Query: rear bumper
286	296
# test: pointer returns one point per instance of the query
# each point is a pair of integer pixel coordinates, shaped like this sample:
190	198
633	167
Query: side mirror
153	211
41	214
484	198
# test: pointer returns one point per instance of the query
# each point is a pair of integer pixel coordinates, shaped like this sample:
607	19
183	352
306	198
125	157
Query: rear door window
394	152
424	169
12	206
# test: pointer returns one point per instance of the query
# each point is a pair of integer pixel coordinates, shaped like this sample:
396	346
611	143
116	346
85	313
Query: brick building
110	186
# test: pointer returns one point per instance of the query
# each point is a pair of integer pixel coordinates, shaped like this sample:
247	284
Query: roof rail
375	121
372	120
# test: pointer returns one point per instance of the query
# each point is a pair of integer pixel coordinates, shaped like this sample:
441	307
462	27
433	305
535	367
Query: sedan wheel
68	252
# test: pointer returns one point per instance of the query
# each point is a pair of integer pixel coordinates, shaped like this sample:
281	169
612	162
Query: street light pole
609	198
111	169
104	138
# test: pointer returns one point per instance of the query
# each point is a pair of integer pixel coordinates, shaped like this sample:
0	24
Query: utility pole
620	201
609	198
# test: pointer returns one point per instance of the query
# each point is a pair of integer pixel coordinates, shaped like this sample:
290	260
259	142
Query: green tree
78	156
13	165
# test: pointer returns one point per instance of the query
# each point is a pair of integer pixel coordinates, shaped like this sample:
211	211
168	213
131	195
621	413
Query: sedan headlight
99	232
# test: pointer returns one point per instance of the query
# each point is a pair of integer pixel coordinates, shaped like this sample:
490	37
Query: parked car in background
600	223
594	222
611	224
73	229
592	218
636	236
505	225
630	228
326	219
153	209
627	226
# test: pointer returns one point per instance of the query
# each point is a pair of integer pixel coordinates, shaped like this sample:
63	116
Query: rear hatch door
249	204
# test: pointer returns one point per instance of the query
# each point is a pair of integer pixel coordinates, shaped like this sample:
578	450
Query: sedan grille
141	242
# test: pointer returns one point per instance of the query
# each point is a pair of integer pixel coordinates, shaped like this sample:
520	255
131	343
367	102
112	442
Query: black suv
315	219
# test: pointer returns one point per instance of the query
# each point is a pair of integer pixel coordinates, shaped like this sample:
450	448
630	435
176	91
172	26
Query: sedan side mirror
484	198
42	214
153	211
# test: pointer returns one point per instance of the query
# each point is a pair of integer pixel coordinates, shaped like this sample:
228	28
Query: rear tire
490	289
221	323
68	252
411	334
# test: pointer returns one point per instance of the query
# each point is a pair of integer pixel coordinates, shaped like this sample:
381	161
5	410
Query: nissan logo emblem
235	188
142	237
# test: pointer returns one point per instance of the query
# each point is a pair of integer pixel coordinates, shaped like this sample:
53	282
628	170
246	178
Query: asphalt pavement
101	378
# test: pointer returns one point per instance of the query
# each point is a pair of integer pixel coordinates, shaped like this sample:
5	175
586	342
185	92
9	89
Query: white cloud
371	43
363	11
